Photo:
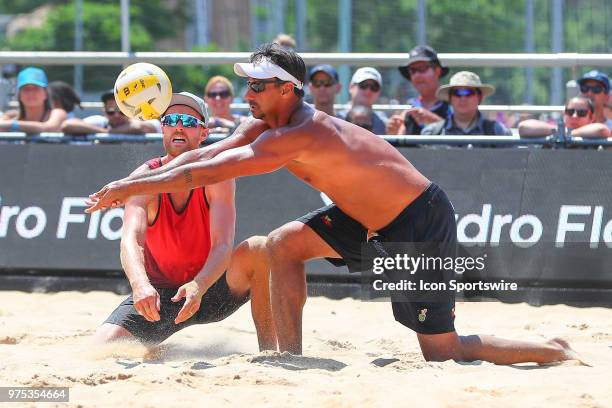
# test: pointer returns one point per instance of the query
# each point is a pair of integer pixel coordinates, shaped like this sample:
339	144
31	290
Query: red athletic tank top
178	240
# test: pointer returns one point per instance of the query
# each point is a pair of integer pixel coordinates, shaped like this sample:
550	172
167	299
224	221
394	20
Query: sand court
354	355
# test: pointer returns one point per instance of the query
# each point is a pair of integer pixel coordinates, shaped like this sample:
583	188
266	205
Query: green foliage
377	26
193	78
150	21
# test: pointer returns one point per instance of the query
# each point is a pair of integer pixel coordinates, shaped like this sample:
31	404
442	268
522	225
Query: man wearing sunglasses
177	250
424	70
365	89
324	86
595	85
379	198
465	92
112	121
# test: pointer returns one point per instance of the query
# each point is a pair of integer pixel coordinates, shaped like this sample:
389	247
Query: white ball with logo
143	91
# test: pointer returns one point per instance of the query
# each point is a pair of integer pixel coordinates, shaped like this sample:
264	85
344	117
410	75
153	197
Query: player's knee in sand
108	333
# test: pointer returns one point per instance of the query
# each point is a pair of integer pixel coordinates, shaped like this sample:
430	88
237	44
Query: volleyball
143	91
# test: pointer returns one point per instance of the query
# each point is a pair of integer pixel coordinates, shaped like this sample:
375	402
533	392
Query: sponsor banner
550	210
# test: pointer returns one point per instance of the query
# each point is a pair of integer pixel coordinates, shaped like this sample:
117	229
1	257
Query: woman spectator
218	95
36	114
64	97
577	119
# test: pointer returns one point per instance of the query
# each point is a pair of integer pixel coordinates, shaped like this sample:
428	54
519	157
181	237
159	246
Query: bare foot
568	353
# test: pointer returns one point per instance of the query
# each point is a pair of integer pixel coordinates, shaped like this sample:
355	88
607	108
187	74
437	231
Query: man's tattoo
188	178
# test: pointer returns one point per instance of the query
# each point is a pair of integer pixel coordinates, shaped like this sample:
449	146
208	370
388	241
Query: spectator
464	93
595	85
361	116
35	113
365	90
113	121
286	41
218	95
324	86
63	96
577	119
424	71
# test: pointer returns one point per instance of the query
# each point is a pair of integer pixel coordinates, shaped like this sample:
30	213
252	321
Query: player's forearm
183	178
132	261
216	264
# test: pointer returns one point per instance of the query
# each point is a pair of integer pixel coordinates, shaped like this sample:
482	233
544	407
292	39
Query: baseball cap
189	99
365	73
596	76
326	68
421	53
32	76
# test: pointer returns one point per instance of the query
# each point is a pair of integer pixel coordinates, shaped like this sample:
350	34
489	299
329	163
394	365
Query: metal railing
505	60
243	107
557	140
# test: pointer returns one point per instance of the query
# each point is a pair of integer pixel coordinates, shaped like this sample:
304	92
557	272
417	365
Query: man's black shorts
429	219
217	304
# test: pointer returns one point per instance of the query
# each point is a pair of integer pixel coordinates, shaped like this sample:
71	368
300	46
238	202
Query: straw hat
464	79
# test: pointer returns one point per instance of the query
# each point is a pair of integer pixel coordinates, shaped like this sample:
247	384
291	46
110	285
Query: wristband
14	125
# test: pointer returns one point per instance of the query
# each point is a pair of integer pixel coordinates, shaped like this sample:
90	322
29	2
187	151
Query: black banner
546	213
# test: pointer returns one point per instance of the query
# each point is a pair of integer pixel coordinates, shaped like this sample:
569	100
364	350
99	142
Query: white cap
365	73
191	100
265	69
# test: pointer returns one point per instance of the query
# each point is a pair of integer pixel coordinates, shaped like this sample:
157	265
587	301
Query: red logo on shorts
327	220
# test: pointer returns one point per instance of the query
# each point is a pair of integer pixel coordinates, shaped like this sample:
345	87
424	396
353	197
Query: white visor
265	69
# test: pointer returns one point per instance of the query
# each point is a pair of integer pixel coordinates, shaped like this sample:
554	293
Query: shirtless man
177	250
375	189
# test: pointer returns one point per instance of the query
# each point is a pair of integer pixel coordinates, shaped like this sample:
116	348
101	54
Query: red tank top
178	240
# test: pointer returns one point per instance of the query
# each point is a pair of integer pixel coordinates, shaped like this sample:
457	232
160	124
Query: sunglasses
222	94
111	112
372	86
596	89
419	69
260	86
188	121
580	112
318	84
463	92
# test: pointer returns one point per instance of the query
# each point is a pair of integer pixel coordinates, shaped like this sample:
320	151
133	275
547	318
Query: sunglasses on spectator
111	112
459	92
260	86
221	94
596	89
318	84
580	112
372	86
188	121
419	69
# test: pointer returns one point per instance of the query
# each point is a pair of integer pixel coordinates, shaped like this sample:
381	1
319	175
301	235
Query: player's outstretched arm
270	152
246	133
